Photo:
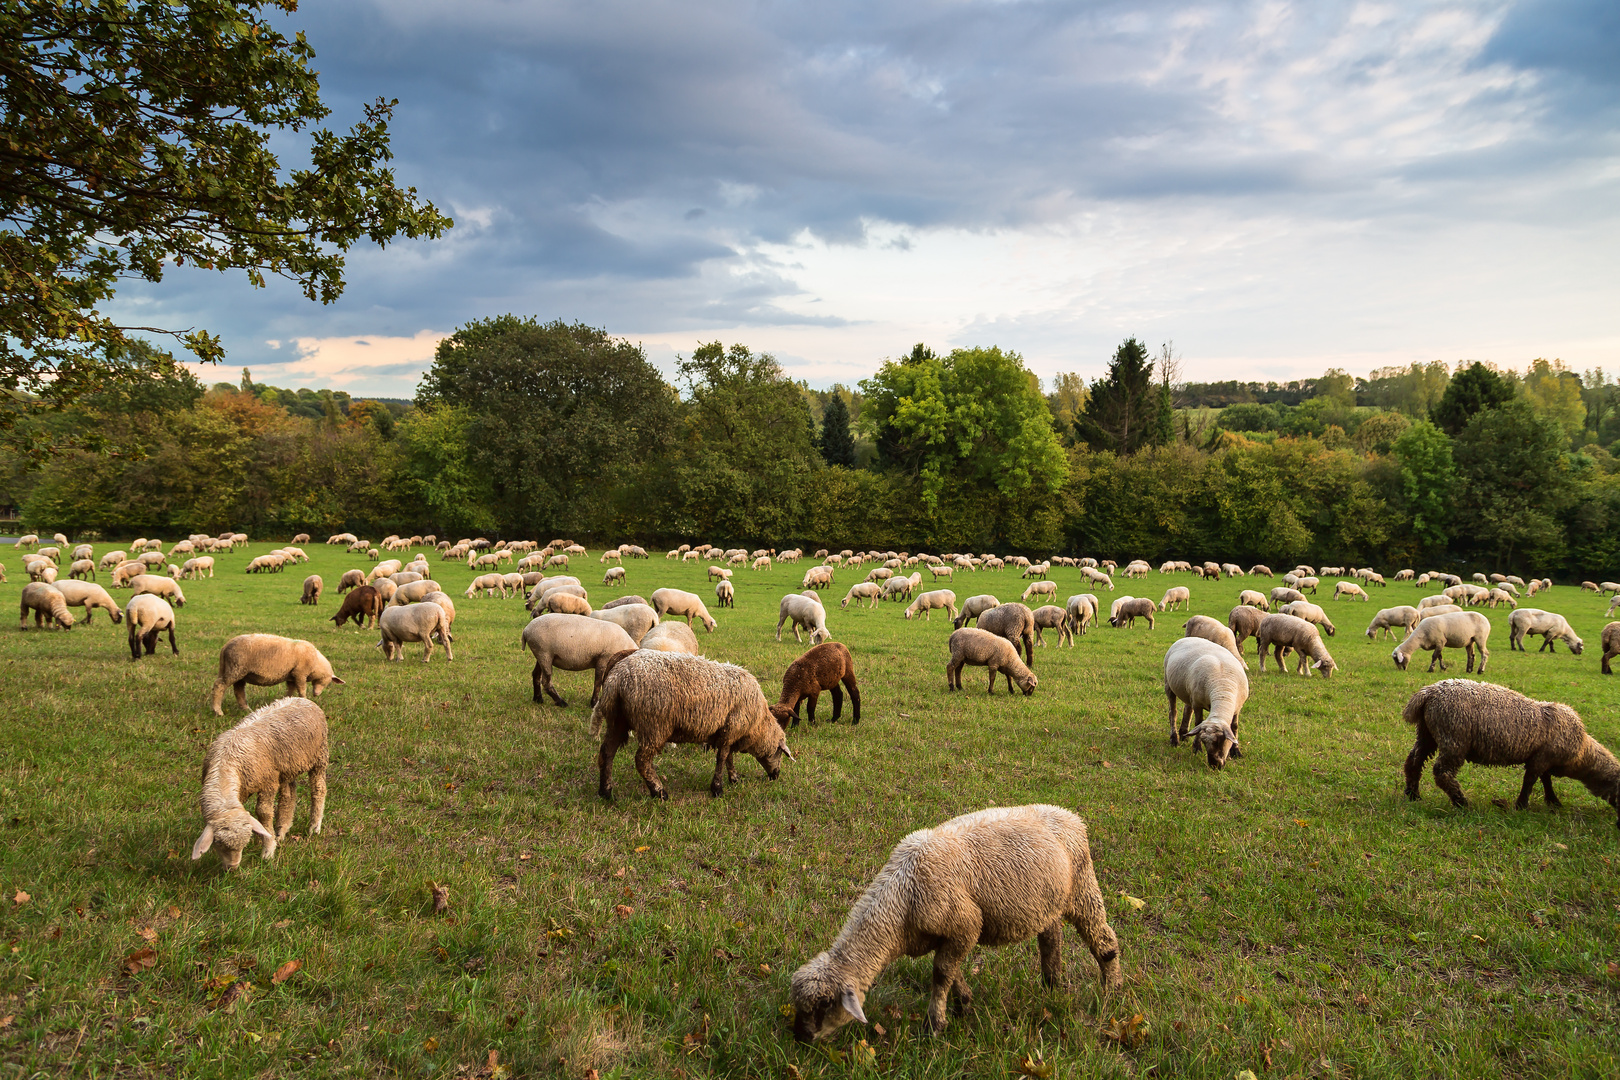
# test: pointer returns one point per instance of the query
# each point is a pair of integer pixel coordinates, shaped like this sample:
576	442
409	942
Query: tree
1122	413
1555	392
1514	483
837	444
1428	481
1474	388
1066	402
1380	431
134	136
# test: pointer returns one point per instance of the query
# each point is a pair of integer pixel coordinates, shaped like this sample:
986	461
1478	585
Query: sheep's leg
544	671
953	676
265	811
1607	656
1530	776
613	738
645	753
1547	789
427	647
149	641
1170	695
1484	657
948	975
317	797
717	787
286	803
1445	776
1051	942
731	766
838	703
297	686
1469	649
854	697
1437	659
1087	914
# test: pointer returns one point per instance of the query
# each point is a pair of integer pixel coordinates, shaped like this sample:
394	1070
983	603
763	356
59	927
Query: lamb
672	637
1202	626
362	604
263	755
352	579
682	605
981	648
973	607
1552	628
1384	623
1250	598
1500	596
82	568
1082	611
1458	630
487	584
1040	588
614	576
1281	632
667	697
633	619
413	592
817	577
1435	601
990	878
1244	622
1177	596
312	590
1349	588
46	602
265	660
414	622
1126	612
156	585
1611	645
1016	623
804	612
565	603
1284	595
1206	678
725	595
193	568
1302	609
148	615
929	602
865	590
1052	617
573	643
826	667
1485	724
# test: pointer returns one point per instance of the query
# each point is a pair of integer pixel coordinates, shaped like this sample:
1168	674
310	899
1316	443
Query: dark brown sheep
364	601
1016	623
821	669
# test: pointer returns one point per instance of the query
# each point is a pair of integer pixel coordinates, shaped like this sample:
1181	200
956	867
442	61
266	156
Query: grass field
1298	916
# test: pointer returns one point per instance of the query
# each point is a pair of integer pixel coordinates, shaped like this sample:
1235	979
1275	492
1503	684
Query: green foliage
1428	480
1249	416
1555	393
1123	411
1474	388
1066	402
1377	434
1515	483
1413	391
837	444
439	476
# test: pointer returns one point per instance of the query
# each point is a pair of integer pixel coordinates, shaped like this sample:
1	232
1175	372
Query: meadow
1293	915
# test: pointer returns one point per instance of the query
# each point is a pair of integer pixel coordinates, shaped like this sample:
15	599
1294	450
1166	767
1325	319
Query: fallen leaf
643	847
1135	902
138	961
624	911
793	1071
233	993
1033	1066
879	1028
764	969
1128	1033
1246	1074
441	897
21	898
592	1074
174	912
862	1053
147	933
430	1045
1536	919
1302	823
5	1022
1614	970
525	857
285	972
282	925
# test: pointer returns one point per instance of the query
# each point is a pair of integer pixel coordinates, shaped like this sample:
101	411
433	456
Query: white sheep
414	622
929	602
1389	619
148	615
865	590
682	605
1206	677
1176	596
578	643
805	612
263	755
1349	588
1551	627
1457	630
265	660
1041	588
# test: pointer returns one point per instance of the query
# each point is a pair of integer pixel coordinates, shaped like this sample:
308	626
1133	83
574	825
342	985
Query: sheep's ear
852	1004
788	751
338	682
204	842
258	827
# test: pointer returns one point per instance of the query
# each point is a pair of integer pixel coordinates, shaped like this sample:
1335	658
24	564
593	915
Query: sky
1276	188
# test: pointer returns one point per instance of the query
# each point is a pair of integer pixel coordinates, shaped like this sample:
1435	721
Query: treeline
529	429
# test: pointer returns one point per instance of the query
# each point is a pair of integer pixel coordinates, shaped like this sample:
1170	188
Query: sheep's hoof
715	791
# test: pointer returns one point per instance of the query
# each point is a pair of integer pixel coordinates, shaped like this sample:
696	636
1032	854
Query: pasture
1293	915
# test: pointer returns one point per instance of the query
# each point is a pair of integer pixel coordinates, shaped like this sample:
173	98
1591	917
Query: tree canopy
1474	388
1124	410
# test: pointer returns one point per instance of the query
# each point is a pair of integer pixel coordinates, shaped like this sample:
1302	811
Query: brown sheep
669	697
1611	645
1467	721
365	601
821	669
1126	612
312	590
981	648
1016	623
265	660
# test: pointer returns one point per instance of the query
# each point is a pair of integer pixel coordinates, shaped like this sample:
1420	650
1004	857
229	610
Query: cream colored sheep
1052	617
148	615
1387	621
634	619
1435	601
1206	677
414	622
805	612
575	643
1303	609
413	592
1040	588
265	660
865	590
1250	598
1550	627
672	637
262	755
990	878
682	605
1128	609
973	607
1284	595
1082	611
312	590
1436	609
1349	588
46	602
156	585
927	603
488	584
725	594
1282	632
1458	630
1202	626
194	568
1174	597
981	648
351	579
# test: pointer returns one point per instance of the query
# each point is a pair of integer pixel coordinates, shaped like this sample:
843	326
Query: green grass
1298	910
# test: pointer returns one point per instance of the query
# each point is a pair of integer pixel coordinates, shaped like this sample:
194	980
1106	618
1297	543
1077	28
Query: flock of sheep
992	877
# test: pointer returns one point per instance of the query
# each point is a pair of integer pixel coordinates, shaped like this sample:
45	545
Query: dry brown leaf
138	961
282	925
21	898
174	912
624	911
430	1045
285	972
233	993
441	897
1033	1066
5	1022
147	933
879	1028
642	848
592	1074
1128	1033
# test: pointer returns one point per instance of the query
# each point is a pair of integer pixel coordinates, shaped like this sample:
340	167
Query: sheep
1250	598
1126	612
361	604
1611	645
262	755
148	615
574	643
82	568
804	612
1052	617
385	589
817	577
901	588
1612	587
1016	623
719	573
973	607
1435	601
486	584
46	602
1500	596
154	585
1081	609
864	590
938	571
1384	623
1284	595
1098	578
682	605
312	590
990	878
668	697
194	568
1260	570
406	577
625	601
413	592
1280	632
1177	596
1552	628
981	648
1485	724
672	637
1349	588
89	596
1205	677
725	594
1302	609
1436	609
561	602
1458	630
633	619
927	603
414	622
1202	626
1040	588
826	667
265	660
1244	622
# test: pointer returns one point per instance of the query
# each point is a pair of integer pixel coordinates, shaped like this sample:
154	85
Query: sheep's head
1218	741
1027	683
821	1005
784	716
321	682
1326	666
769	746
1400	659
1575	644
234	831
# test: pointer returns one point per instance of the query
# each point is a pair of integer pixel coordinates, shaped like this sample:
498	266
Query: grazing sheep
805	612
1349	588
1205	677
156	585
864	590
1386	621
1611	645
1458	630
148	615
725	594
265	660
1436	609
82	568
682	605
1284	595
352	579
669	697
574	643
413	592
1244	622
929	602
262	755
46	602
973	607
1303	609
1260	570
1552	628
312	590
1128	610
1040	588
1052	617
817	577
1016	623
826	667
1500	596
625	601
1484	724
1202	626
363	603
1250	598
414	622
633	619
981	648
1283	632
989	878
672	637
614	576
1081	609
1435	601
89	596
488	584
1177	596
194	568
563	602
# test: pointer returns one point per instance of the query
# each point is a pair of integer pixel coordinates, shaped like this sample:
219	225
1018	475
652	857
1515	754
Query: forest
550	429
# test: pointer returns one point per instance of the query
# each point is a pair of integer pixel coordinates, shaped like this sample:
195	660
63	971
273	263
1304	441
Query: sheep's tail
1413	713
